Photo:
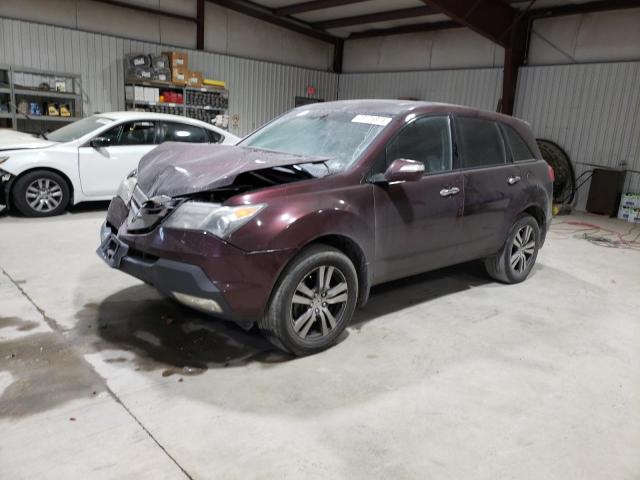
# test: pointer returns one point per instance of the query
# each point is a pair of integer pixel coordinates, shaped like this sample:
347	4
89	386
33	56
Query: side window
182	132
426	140
138	133
214	137
519	148
112	134
481	142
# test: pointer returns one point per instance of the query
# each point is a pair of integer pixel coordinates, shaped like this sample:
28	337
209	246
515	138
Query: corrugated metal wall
591	110
475	87
258	91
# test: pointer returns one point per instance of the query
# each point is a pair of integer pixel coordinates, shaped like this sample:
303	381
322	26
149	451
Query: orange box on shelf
194	79
179	76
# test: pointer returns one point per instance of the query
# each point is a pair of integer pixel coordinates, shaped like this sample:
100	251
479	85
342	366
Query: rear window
519	148
481	142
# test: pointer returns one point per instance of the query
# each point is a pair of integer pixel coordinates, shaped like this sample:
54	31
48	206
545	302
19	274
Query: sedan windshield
340	136
78	129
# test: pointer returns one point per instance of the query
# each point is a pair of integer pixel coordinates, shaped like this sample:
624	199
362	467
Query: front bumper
196	268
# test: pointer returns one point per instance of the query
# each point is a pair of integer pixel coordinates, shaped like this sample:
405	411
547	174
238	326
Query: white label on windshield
372	120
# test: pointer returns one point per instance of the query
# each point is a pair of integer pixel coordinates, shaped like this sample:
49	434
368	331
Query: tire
303	319
500	266
40	193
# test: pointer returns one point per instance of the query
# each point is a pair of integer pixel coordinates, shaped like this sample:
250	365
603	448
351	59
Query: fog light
203	304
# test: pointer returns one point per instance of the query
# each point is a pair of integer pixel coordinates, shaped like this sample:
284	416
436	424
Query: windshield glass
337	135
78	129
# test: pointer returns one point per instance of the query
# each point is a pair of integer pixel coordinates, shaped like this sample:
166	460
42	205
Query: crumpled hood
174	169
12	140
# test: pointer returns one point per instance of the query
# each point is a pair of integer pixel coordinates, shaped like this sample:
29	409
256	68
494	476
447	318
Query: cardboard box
179	76
177	59
194	79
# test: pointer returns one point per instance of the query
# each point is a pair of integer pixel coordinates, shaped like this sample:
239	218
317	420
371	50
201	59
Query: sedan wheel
40	193
312	302
44	195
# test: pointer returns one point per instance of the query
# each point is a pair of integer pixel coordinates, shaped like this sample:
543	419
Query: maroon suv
292	227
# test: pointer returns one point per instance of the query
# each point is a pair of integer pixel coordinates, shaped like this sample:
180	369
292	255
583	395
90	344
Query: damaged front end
170	225
6	180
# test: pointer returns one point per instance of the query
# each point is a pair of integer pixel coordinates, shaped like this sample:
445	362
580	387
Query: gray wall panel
258	90
475	87
591	110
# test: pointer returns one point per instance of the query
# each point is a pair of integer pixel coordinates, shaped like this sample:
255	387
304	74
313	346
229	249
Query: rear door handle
513	180
447	192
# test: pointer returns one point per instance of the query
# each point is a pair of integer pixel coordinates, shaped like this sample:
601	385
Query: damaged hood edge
175	169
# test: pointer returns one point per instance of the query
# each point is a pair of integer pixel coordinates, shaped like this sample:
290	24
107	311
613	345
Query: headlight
211	217
125	190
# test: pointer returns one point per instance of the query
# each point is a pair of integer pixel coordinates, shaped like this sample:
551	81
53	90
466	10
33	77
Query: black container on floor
605	191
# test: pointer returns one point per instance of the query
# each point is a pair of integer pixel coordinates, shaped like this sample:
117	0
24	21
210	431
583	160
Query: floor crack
55	327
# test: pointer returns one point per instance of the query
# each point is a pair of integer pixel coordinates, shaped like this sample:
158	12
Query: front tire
515	260
313	302
40	193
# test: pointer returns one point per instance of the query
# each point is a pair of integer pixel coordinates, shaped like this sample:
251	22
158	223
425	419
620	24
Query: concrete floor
444	375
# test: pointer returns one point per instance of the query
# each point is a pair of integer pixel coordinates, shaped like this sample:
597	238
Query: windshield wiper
44	135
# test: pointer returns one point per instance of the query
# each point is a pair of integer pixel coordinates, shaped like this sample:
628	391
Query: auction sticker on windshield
372	120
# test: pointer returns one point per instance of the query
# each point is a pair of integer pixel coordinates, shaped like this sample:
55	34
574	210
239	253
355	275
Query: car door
492	184
103	168
417	223
182	132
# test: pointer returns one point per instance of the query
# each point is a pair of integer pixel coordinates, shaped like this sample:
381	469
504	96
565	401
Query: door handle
513	180
447	192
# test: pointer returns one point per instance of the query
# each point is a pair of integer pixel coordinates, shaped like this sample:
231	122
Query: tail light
552	174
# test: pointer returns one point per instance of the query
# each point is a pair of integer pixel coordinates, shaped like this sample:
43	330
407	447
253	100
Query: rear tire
514	261
313	301
40	193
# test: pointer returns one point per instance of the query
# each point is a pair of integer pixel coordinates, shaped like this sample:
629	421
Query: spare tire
564	186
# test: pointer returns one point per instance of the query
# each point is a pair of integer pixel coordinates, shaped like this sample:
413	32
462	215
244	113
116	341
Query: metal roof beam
420	27
267	15
492	19
376	17
312	6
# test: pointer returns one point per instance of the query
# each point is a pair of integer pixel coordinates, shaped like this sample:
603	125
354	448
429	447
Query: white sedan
86	160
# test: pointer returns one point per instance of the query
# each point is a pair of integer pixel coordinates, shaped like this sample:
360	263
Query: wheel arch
64	176
357	256
541	219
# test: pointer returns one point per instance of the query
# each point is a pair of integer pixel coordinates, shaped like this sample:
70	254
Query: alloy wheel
319	302
522	249
44	195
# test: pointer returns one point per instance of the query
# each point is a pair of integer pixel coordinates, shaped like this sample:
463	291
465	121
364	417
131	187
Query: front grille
138	199
146	213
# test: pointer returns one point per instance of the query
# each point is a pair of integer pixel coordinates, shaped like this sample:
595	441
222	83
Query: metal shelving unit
208	111
19	84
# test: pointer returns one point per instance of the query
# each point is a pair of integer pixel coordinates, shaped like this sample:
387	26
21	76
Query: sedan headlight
125	190
211	217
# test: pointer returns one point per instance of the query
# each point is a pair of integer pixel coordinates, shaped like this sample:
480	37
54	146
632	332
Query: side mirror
401	170
100	142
